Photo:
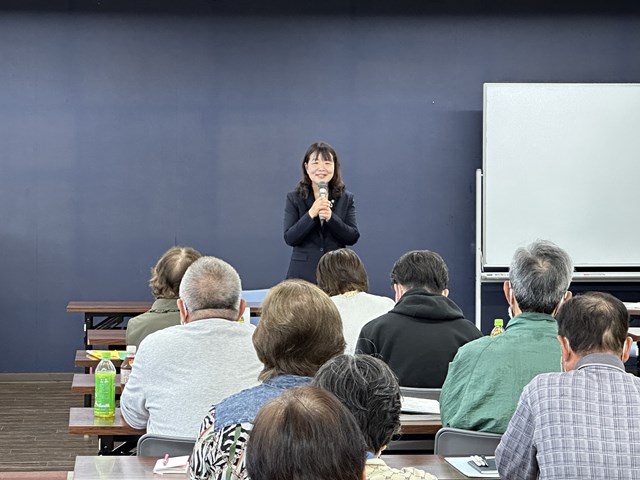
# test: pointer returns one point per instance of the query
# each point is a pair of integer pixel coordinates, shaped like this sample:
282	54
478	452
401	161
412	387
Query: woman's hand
321	207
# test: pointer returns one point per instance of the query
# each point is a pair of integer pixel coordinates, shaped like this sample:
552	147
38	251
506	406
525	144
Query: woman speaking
319	215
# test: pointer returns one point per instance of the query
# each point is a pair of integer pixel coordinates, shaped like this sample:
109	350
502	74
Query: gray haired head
211	284
540	274
370	390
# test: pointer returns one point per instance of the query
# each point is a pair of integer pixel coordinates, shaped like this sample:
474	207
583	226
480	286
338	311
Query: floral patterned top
219	452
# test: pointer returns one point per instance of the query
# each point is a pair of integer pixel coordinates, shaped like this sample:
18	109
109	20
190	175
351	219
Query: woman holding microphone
319	215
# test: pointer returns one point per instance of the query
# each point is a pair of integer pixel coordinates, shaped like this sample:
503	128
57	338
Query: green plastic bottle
105	394
497	327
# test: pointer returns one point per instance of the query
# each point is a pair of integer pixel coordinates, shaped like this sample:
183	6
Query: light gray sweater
179	372
356	310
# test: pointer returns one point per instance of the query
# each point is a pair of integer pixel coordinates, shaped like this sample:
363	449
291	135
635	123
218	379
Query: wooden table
113	313
141	468
434	464
107	337
411	424
108	307
84	360
85	383
83	422
50	475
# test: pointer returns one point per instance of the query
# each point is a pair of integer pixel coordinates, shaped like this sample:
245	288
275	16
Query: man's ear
445	292
506	288
564	347
626	349
241	309
567	295
399	291
184	314
567	355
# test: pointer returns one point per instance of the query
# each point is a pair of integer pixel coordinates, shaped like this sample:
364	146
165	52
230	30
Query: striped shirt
576	425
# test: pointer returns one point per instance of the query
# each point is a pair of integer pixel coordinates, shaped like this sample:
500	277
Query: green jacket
487	376
164	313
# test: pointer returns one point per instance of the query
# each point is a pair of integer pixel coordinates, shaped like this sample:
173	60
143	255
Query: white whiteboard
561	162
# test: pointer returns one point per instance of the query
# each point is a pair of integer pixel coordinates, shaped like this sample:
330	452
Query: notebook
420	405
174	465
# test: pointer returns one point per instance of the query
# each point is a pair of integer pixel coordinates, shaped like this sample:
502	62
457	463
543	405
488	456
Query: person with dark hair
305	434
317	222
180	370
370	390
539	279
165	285
423	332
299	331
342	276
584	422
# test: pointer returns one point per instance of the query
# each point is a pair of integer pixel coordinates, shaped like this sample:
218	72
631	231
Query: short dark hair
300	330
594	322
341	271
540	274
421	269
370	390
325	151
169	270
305	434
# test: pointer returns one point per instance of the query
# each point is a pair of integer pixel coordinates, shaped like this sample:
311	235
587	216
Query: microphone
323	192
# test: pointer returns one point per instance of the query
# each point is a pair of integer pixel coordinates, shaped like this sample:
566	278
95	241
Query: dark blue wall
126	129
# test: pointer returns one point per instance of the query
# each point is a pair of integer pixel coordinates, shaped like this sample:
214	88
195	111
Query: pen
166	459
484	459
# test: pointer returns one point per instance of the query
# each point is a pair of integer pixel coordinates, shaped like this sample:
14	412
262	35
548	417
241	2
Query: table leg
105	445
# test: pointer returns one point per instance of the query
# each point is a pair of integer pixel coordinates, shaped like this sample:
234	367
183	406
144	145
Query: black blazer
310	240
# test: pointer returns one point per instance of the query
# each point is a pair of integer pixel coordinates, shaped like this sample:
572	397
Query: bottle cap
105	355
498	322
131	349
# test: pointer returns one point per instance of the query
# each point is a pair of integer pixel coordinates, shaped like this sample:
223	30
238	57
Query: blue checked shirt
576	425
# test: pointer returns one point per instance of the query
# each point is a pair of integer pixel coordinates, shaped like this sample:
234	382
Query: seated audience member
370	390
305	434
583	423
180	370
299	331
487	376
165	285
342	276
423	332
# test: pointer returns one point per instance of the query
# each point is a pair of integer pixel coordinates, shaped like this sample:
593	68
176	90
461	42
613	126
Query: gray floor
34	417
